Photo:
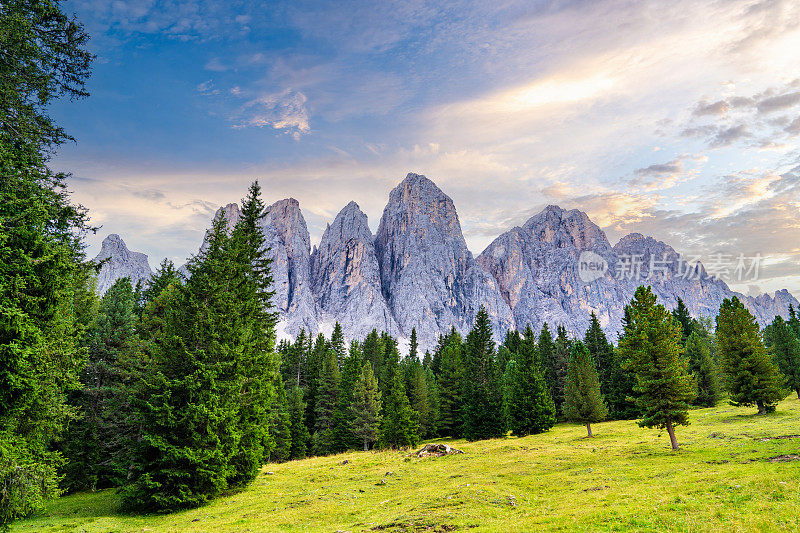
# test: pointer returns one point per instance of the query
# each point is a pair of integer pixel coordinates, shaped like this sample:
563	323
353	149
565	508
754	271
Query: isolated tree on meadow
652	351
583	401
748	373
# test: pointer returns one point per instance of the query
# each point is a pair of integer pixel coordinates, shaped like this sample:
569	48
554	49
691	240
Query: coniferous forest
177	391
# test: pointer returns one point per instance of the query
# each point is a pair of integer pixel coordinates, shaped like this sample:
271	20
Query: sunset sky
678	119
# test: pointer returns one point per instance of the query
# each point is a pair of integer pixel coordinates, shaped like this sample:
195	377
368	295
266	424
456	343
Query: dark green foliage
94	443
280	424
421	397
651	349
206	398
601	352
450	388
482	412
704	370
337	344
365	409
786	352
44	280
400	423
328	405
583	400
557	367
413	345
314	360
748	373
299	431
527	404
682	316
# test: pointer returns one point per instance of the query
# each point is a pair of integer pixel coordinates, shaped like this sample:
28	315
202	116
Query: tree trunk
761	409
589	429
366	444
671	431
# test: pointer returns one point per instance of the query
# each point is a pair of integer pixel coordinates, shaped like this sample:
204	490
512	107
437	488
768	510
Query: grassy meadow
735	472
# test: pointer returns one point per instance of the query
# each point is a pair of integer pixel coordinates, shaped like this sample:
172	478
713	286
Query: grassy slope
625	478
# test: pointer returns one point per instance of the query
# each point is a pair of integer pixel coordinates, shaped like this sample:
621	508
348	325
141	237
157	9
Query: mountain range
417	272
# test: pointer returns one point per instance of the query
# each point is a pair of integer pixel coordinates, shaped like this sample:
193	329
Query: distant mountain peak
120	262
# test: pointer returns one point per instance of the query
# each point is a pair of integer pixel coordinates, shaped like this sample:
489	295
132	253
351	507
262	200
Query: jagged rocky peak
428	276
231	213
286	236
346	277
120	263
561	228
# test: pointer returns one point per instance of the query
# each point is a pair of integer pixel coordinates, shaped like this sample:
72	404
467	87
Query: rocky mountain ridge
417	271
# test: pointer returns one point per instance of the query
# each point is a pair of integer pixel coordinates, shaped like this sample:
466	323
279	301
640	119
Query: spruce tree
337	344
562	346
621	395
583	400
413	345
365	409
400	423
328	405
299	431
449	380
651	349
682	316
748	373
44	277
94	441
280	425
786	352
793	322
481	391
704	370
418	396
344	438
601	351
528	407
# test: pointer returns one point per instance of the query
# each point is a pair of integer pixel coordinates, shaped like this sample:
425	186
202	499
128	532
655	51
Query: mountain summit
417	272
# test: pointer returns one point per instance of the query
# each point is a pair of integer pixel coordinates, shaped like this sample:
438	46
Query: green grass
626	478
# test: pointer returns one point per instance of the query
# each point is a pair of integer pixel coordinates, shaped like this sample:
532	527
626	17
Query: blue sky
675	119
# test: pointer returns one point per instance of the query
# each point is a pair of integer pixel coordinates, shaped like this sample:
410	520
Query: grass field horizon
736	471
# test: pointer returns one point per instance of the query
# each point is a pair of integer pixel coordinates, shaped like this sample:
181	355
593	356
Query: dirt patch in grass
784	458
781	437
414	527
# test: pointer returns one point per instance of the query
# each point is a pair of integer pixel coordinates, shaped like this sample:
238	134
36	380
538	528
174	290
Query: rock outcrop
428	276
346	280
417	273
119	262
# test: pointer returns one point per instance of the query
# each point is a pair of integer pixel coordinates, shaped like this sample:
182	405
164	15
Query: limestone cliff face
119	262
417	272
346	279
428	276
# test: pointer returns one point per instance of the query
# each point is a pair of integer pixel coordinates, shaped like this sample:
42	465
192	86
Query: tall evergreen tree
449	380
794	322
43	273
704	370
528	407
786	352
583	400
651	348
327	406
94	441
481	392
601	351
682	316
207	396
621	395
562	346
748	373
297	426
280	424
365	409
337	344
413	345
400	423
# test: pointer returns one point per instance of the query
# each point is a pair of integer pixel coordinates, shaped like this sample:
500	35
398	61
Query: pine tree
372	350
481	391
365	410
748	373
327	406
651	348
206	399
786	352
418	396
621	394
299	432
337	344
400	423
44	277
794	322
413	345
344	438
681	314
94	442
583	399
314	361
601	351
562	346
280	425
528	407
704	370
451	388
